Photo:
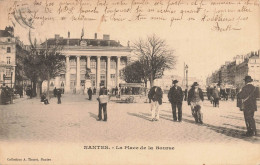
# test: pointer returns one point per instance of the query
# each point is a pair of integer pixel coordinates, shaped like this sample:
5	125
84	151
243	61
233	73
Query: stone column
87	81
108	73
67	77
78	88
88	62
98	73
117	70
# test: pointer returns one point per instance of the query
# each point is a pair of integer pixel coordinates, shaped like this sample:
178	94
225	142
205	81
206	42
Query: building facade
7	57
233	73
104	58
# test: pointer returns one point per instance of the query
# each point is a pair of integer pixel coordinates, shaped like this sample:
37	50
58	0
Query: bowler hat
195	84
248	79
175	81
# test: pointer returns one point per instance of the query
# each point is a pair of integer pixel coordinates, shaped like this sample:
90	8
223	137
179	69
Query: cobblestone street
75	121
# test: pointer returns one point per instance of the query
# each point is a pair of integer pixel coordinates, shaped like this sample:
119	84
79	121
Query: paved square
75	121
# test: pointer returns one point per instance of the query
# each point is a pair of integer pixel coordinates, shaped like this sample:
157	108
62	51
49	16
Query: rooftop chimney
57	36
95	36
10	29
106	37
68	34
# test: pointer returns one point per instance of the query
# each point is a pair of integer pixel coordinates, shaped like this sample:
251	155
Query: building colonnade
104	70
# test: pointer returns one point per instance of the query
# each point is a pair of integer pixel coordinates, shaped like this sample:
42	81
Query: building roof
4	33
76	42
254	57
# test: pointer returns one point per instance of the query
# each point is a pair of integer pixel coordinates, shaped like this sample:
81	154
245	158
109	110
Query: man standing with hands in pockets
249	94
175	97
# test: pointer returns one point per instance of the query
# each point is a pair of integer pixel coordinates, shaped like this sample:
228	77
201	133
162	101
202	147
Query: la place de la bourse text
128	148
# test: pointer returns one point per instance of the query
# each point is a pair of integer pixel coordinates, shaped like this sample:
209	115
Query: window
82	77
113	64
9	39
103	64
8	50
83	62
112	76
62	76
92	64
102	76
82	82
8	72
73	62
8	60
52	84
93	79
92	76
73	77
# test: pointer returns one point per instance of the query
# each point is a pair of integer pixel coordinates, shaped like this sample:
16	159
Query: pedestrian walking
175	97
155	98
248	96
233	94
20	91
216	96
195	98
55	92
211	93
29	92
59	95
208	92
94	91
90	93
102	100
116	90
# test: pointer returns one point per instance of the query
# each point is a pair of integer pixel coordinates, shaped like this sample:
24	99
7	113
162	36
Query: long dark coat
251	91
175	95
191	95
155	96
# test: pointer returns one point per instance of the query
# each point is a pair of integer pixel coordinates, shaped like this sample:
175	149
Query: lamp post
186	69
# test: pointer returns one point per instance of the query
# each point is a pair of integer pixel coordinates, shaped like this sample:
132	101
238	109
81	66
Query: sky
194	43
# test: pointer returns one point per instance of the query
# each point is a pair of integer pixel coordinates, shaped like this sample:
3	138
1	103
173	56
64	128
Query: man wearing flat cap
249	94
195	98
175	97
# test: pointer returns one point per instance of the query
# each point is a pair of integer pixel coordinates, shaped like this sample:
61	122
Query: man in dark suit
90	93
249	94
155	96
175	97
58	93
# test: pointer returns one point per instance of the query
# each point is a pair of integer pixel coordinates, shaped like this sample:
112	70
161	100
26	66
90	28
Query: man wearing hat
175	97
195	98
249	94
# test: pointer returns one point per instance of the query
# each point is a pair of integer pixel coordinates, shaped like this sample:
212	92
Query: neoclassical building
104	57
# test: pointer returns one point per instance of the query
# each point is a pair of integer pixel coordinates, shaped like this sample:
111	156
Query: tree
132	73
155	57
43	63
